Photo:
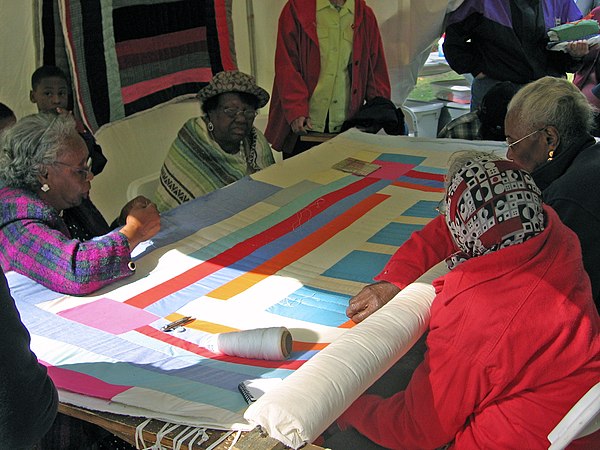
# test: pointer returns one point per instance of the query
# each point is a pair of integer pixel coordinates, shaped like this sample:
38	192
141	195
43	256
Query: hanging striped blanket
128	56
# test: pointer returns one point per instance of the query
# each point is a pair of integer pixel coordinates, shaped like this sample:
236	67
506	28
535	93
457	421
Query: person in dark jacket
28	398
505	40
587	78
548	127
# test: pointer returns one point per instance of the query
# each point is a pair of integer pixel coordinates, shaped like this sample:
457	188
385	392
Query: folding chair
581	420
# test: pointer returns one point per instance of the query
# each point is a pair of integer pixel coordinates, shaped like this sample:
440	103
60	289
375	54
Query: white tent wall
136	146
18	54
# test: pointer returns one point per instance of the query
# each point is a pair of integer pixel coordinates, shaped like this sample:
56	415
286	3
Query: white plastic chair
581	420
145	186
411	121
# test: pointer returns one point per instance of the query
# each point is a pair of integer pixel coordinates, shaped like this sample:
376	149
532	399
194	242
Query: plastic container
422	117
458	91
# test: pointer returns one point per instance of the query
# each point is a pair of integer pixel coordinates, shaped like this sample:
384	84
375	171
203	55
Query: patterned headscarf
491	204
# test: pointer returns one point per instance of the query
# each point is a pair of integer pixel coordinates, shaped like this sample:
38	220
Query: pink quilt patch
391	170
109	315
81	383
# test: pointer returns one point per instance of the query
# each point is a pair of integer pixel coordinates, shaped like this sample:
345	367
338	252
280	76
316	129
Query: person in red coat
298	67
514	335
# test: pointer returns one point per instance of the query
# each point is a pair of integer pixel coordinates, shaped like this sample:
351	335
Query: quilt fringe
189	436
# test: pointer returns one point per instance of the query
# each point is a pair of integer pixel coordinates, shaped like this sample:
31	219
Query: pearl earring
45	187
210	126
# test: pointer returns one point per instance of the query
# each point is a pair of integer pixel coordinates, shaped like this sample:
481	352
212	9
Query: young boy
50	92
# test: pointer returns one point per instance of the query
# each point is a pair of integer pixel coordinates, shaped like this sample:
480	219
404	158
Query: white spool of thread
273	343
299	409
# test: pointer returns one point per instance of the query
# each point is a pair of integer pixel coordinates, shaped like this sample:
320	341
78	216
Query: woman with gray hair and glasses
44	169
548	132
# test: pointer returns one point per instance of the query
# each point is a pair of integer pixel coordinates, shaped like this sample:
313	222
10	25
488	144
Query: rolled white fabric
309	400
273	343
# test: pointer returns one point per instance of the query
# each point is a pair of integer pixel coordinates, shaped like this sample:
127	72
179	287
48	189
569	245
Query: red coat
433	244
298	63
514	342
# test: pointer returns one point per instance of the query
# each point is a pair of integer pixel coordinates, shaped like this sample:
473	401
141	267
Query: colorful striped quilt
286	247
129	56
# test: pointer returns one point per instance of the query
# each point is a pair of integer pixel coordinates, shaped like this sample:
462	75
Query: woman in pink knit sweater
44	169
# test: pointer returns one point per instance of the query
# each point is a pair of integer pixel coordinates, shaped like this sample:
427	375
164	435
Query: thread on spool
273	343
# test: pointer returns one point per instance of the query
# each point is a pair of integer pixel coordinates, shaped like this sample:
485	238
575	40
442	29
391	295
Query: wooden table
124	428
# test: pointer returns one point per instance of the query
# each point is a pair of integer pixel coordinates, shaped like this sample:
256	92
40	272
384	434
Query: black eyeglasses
249	114
83	173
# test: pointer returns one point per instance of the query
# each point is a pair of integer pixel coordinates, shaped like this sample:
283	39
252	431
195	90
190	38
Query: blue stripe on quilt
434	170
422	181
423	208
313	305
394	234
403	159
186	388
358	266
195	215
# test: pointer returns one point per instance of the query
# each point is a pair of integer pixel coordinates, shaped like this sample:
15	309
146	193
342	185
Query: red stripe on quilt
425	175
190	50
417	187
245	248
162	42
197	350
298	250
81	383
144	88
223	33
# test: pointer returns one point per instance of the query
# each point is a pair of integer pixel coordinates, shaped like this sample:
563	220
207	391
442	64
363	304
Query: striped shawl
196	164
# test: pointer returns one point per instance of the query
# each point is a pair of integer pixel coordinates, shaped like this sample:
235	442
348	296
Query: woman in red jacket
514	336
302	37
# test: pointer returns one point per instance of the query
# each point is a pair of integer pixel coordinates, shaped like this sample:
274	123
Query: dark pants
69	433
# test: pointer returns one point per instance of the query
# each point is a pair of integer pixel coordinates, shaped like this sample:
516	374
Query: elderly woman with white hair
548	133
44	168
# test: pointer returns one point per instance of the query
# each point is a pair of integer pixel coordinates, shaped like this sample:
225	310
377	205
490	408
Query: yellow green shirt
332	93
